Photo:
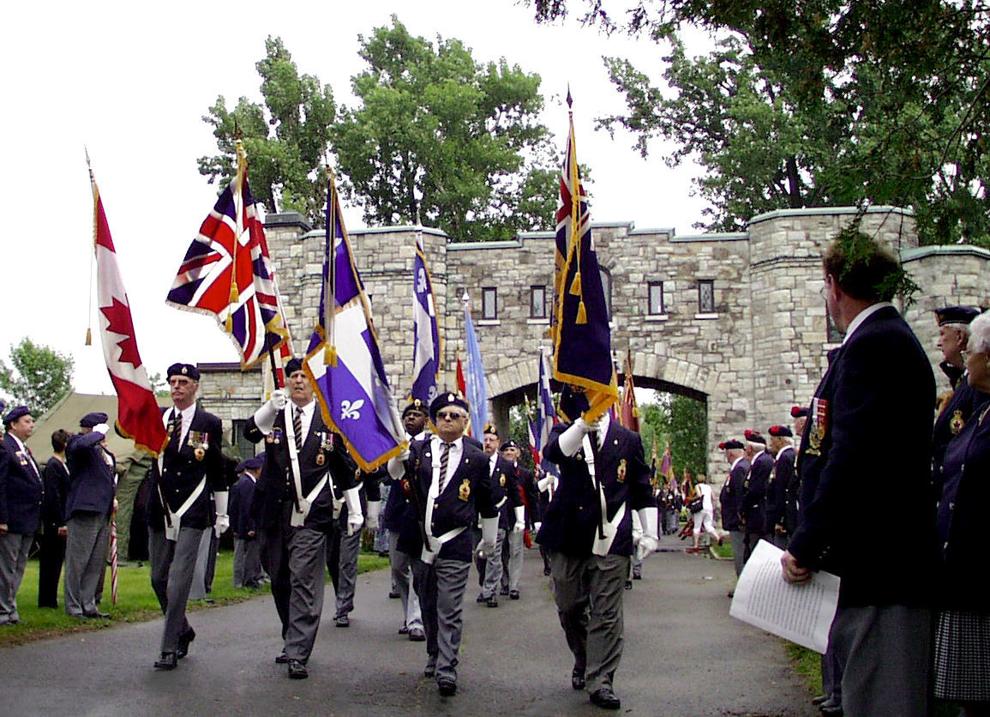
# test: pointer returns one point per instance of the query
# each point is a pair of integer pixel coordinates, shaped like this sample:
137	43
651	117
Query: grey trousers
493	568
247	562
512	557
198	590
14	549
738	540
831	675
441	587
885	653
402	579
307	558
85	558
588	592
172	566
342	559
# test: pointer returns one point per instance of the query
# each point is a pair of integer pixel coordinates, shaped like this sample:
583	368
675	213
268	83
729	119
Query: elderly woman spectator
962	638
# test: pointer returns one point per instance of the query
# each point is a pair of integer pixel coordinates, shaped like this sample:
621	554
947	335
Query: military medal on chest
326	445
275	437
819	426
464	491
956	423
620	474
199	442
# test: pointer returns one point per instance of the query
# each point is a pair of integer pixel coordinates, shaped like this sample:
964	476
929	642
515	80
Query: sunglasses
452	415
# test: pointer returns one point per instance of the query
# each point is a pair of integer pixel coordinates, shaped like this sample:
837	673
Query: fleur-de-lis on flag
350	410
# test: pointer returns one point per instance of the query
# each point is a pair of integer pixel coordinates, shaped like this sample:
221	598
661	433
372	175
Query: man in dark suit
180	510
22	493
92	484
588	531
247	556
867	447
731	500
449	485
528	498
752	510
307	475
503	475
53	530
781	438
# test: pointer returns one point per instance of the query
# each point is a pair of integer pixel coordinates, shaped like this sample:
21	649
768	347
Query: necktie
444	460
175	428
297	427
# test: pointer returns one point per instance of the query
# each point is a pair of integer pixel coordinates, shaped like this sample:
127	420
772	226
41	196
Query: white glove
544	483
489	535
222	524
571	439
649	541
520	525
536	527
374	510
264	417
397	465
278	399
355	518
223	520
101	428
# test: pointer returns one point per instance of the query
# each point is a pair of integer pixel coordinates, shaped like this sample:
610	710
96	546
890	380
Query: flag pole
330	299
92	260
238	231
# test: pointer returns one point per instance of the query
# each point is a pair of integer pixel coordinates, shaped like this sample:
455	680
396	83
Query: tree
286	139
37	377
681	423
820	102
444	140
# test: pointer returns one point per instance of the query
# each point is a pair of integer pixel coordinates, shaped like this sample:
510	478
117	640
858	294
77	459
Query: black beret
15	413
446	399
292	366
754	436
799	411
956	314
509	444
93	419
253	463
573	402
781	432
490	428
729	444
183	369
416	404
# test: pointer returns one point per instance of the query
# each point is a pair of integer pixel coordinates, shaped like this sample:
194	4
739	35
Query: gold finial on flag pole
234	297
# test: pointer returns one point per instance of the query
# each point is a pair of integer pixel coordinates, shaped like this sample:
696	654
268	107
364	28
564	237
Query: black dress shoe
297	670
492	601
604	697
417	635
628	584
168	661
447	687
546	571
429	671
818	700
577	679
637	576
392	594
342	621
96	615
481	598
832	710
404	630
184	640
282	659
503	591
513	594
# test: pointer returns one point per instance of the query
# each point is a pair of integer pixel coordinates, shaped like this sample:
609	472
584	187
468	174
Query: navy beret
509	444
183	369
956	314
490	428
729	444
781	432
416	404
15	413
93	419
446	399
292	366
253	463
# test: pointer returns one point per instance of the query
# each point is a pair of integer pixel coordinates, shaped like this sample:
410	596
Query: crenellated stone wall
760	350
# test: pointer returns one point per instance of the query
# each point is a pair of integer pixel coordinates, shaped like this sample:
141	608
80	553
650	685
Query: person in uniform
53	530
878	390
179	507
247	551
799	414
753	508
399	517
90	501
22	494
448	483
957	406
588	531
511	516
547	486
781	439
730	498
344	544
512	547
307	468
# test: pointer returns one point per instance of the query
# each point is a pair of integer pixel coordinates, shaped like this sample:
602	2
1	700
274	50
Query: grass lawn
135	600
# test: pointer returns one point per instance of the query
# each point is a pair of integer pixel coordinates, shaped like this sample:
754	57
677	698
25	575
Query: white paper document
799	613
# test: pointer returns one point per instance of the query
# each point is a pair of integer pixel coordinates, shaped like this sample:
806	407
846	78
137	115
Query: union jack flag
227	273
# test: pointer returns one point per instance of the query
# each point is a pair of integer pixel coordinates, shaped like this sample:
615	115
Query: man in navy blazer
92	484
867	448
21	495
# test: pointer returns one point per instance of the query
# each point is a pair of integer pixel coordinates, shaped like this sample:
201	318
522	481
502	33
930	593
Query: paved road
684	657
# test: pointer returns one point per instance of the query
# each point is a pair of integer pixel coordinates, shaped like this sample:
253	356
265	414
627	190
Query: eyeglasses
451	415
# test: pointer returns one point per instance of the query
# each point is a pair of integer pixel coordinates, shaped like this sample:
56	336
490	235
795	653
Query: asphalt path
683	656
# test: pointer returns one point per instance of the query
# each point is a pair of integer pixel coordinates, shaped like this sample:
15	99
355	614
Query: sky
130	82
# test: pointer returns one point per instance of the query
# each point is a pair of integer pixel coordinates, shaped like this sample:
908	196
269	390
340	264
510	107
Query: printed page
800	613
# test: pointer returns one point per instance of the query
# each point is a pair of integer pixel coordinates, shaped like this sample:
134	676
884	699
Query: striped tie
444	460
175	428
297	427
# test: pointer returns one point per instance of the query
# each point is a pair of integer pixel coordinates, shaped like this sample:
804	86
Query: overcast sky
131	82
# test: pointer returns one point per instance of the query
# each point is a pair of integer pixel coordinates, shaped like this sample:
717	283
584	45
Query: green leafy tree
441	138
37	376
286	138
818	103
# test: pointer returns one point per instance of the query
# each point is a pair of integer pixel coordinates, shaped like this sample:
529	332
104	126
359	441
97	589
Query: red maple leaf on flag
119	316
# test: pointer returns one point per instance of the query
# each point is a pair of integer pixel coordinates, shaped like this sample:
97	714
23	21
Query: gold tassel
330	356
234	298
576	285
89	337
582	315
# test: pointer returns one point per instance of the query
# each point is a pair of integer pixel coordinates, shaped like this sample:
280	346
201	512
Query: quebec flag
426	336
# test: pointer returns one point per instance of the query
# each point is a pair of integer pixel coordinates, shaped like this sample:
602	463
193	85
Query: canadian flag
138	415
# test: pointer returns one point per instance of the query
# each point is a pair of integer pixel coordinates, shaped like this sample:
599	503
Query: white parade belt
609	528
175	519
433	544
302	504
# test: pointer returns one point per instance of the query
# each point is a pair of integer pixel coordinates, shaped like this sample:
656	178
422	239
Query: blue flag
477	392
343	360
580	331
426	336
